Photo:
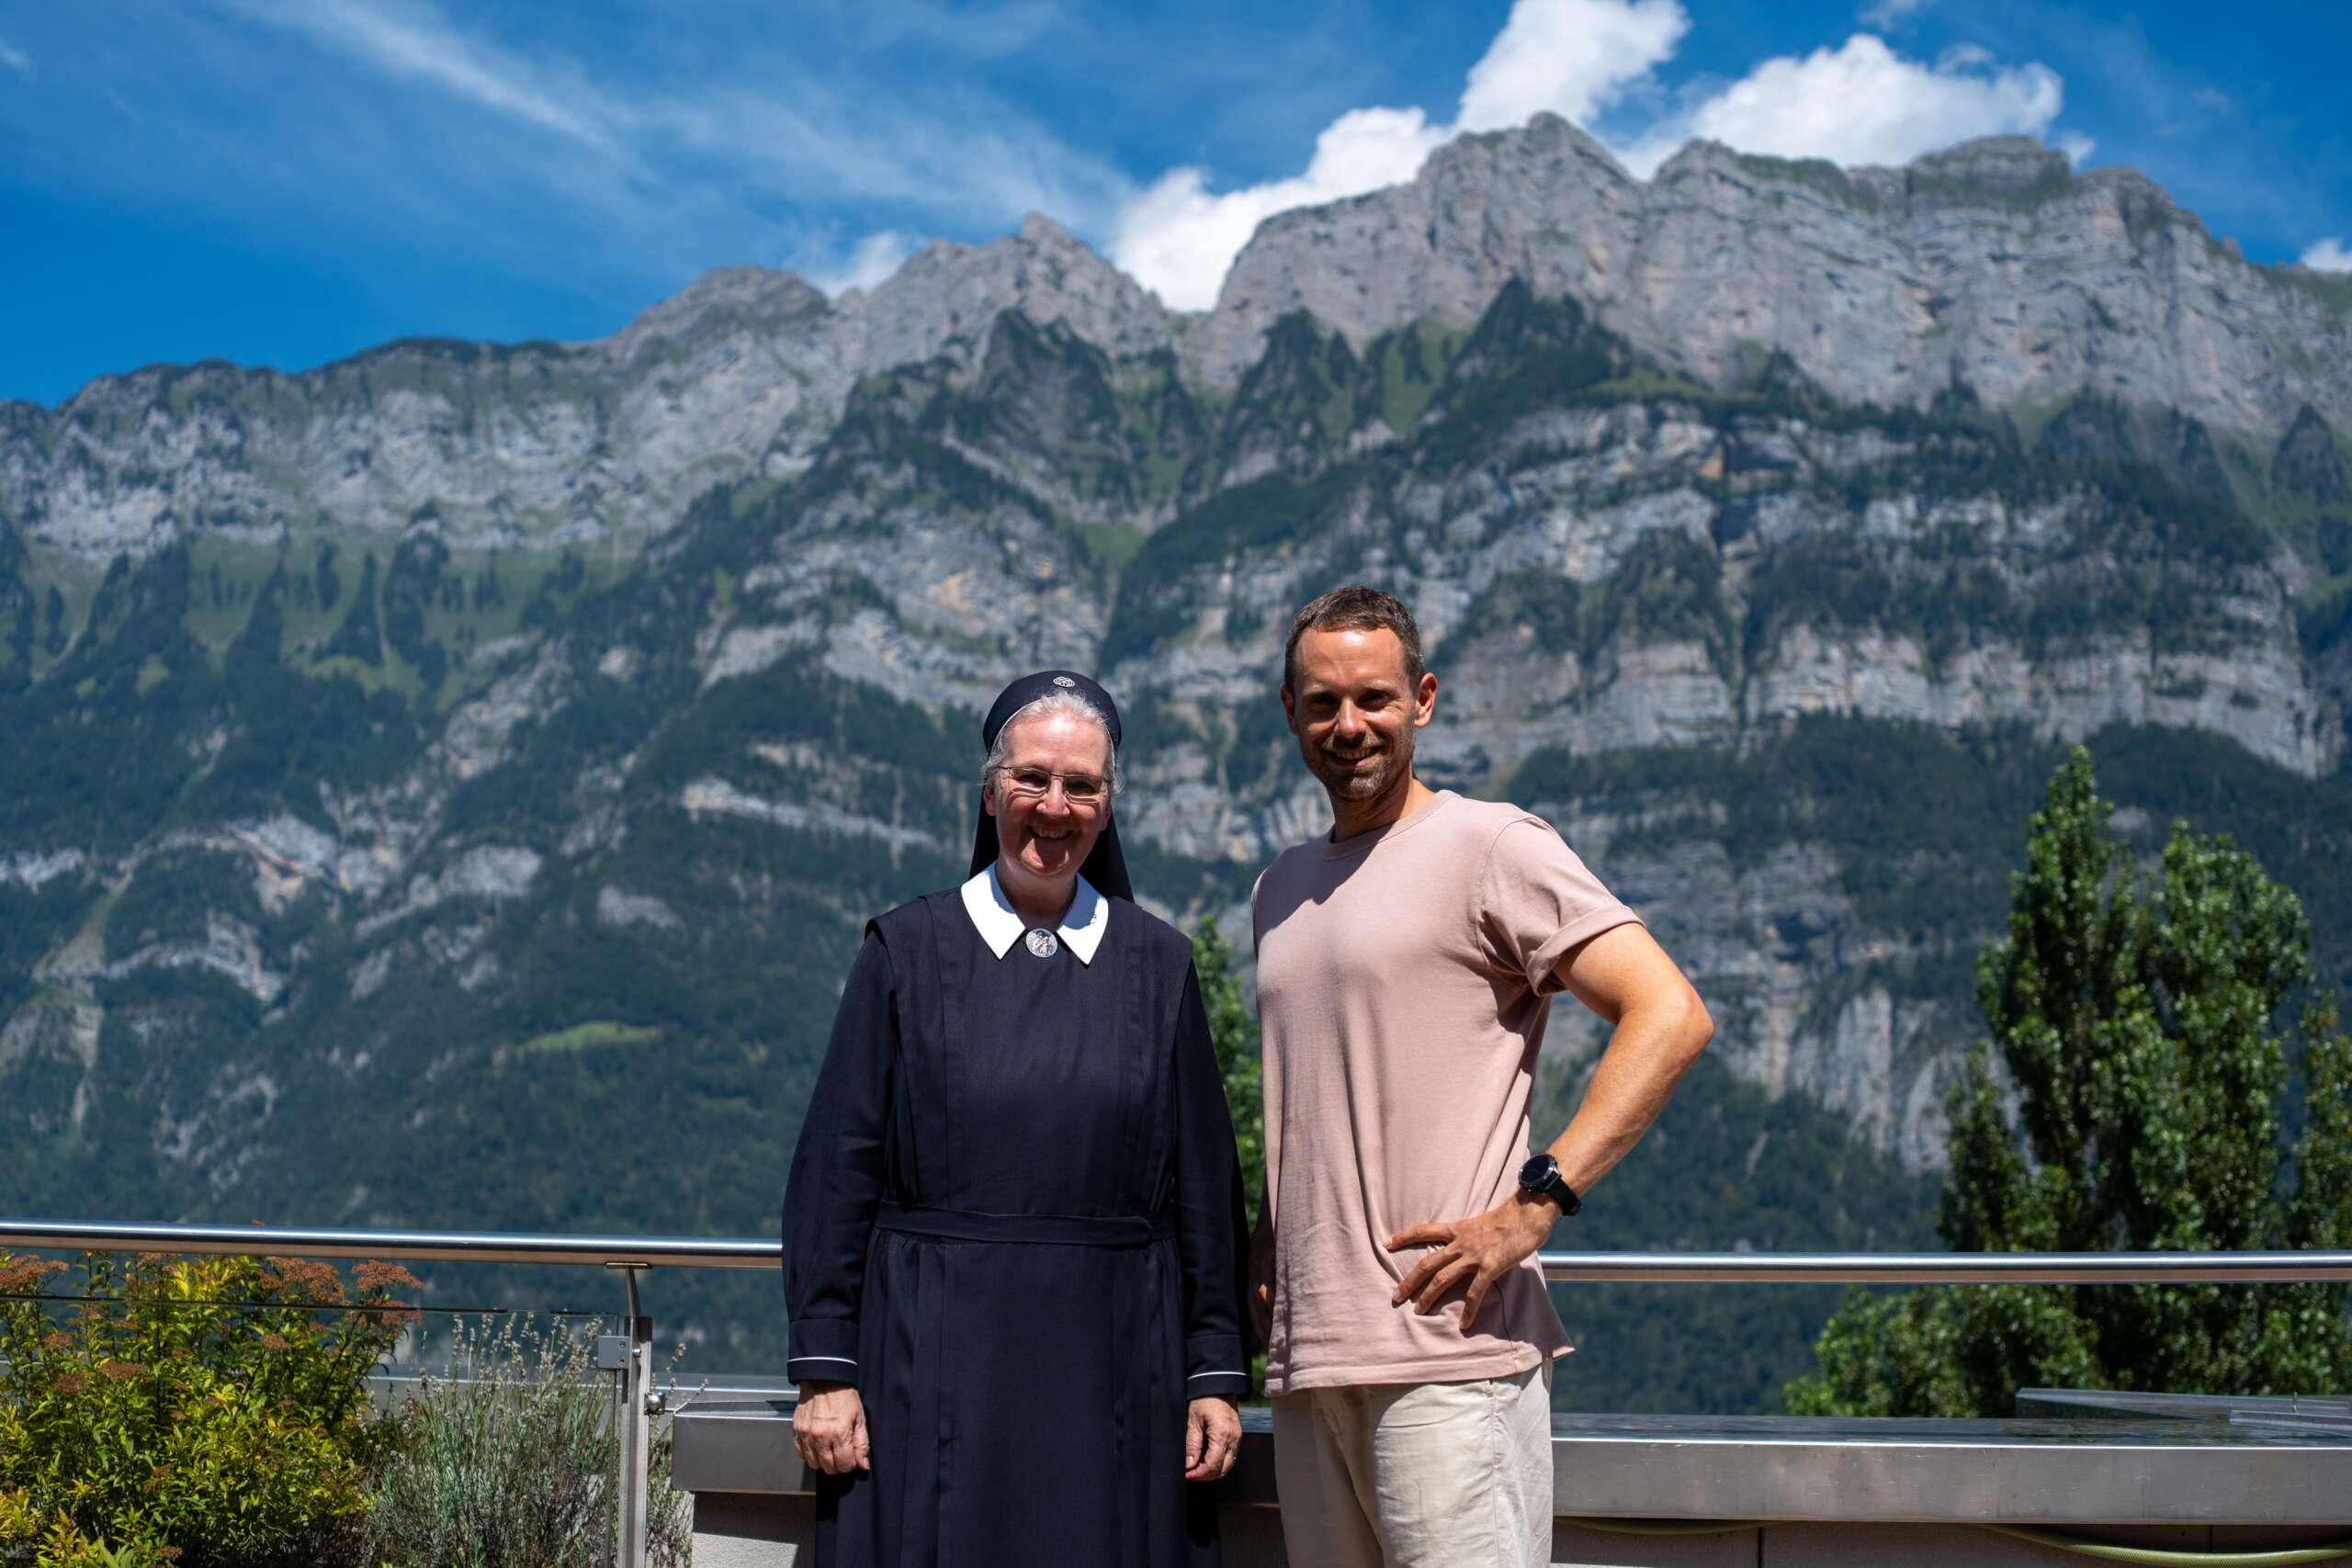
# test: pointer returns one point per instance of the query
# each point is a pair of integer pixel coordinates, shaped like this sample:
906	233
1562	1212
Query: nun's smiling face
1043	837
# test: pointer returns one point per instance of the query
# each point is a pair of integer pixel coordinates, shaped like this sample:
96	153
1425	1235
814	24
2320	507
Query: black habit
1015	1221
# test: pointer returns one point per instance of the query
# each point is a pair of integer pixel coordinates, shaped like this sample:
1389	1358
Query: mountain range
445	787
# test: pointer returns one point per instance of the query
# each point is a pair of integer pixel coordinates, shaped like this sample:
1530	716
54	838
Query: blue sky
282	182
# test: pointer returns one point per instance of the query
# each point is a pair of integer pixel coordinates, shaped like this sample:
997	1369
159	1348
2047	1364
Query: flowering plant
188	1412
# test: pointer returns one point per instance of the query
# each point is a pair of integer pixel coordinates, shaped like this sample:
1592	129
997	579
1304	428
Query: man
1405	967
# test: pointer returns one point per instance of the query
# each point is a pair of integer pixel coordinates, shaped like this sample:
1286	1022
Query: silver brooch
1042	943
1064	681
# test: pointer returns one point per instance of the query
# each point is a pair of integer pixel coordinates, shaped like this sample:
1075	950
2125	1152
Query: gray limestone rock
1991	266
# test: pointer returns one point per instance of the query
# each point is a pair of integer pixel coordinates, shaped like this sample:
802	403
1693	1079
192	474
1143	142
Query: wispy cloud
785	130
1886	14
797	134
410	40
16	59
611	151
870	260
2330	254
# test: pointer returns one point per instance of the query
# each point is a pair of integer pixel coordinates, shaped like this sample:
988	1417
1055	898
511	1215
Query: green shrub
508	1462
198	1411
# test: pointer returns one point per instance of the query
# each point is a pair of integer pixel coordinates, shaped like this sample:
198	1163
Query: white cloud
2330	254
2077	147
1573	58
1861	103
1887	13
1178	239
413	40
1570	57
873	258
14	58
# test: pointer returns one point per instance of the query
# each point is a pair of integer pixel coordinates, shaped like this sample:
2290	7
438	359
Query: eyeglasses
1079	789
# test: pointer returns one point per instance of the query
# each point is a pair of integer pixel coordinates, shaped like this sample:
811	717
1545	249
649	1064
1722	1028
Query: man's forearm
1653	1044
1660	1026
1654	1040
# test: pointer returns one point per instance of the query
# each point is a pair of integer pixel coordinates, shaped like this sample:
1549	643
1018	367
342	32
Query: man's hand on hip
1473	1253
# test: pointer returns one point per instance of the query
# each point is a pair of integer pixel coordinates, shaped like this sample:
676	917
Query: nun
1012	1234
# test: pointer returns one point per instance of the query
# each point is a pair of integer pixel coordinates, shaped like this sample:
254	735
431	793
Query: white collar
1000	925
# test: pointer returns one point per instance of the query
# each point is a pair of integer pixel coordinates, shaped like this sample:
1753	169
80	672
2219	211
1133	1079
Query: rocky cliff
1990	267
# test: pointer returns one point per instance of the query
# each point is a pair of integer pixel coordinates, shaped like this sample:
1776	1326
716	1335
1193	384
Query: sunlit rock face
599	443
1991	266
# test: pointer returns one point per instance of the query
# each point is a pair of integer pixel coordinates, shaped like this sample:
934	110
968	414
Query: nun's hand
829	1427
1212	1437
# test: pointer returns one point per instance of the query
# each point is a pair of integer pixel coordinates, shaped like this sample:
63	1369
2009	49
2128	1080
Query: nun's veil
1105	867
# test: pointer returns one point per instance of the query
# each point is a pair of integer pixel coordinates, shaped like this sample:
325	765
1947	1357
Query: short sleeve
1537	900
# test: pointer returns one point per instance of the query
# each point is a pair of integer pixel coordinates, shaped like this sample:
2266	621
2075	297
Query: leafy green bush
197	1411
506	1462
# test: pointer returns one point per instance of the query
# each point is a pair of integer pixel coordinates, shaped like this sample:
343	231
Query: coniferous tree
2136	1104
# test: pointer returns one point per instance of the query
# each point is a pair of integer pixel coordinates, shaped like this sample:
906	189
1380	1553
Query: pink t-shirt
1404	977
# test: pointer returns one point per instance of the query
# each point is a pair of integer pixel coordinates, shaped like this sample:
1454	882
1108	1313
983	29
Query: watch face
1537	1171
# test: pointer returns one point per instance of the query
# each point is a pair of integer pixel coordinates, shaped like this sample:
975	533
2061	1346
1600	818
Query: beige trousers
1418	1475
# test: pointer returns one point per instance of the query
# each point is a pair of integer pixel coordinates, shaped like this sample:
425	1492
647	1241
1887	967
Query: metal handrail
754	1252
1952	1267
431	1246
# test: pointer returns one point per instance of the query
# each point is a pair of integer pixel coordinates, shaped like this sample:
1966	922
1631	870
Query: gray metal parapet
1841	1469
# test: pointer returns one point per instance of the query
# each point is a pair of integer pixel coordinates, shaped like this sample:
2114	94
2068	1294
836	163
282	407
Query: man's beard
1360	784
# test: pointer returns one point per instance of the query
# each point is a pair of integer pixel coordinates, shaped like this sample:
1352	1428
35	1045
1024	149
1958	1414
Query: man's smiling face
1354	712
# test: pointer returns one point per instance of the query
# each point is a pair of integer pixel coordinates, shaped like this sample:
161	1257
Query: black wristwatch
1540	1178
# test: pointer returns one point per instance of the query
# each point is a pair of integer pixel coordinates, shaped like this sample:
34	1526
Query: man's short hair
1355	609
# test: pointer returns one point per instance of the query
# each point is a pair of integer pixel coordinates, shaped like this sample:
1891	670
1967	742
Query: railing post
634	1430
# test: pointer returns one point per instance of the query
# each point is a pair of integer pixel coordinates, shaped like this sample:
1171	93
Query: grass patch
1114	544
587	1037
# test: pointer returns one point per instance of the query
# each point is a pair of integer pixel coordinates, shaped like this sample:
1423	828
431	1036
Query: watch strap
1551	1185
1560	1192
